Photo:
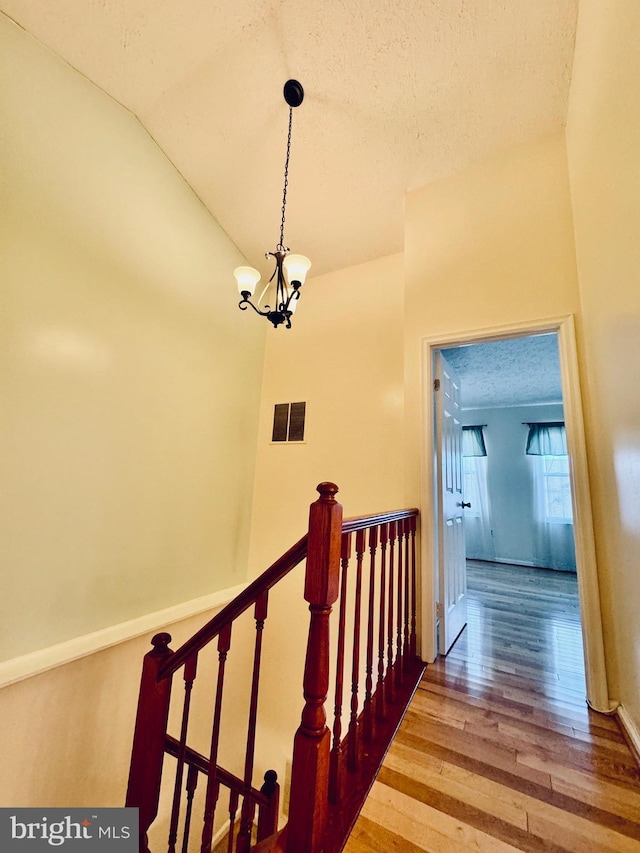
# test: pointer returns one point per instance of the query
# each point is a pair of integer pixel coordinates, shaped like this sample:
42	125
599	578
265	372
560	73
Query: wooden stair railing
331	771
382	667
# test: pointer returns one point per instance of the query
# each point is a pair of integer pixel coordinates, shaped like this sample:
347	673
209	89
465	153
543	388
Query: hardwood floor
498	750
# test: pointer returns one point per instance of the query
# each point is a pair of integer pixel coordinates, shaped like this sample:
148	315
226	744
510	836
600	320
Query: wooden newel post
145	773
308	806
268	816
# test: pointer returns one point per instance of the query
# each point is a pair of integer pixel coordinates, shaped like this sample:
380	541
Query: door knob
463	505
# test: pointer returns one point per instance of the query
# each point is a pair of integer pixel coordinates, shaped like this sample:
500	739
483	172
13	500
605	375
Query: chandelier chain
286	180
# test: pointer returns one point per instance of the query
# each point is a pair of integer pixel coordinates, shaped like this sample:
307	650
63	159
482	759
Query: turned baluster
407	593
390	692
308	807
248	806
400	605
233	808
145	774
380	697
192	784
213	786
354	727
335	764
368	687
414	605
190	669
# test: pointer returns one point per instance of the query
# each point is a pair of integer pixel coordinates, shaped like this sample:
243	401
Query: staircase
368	566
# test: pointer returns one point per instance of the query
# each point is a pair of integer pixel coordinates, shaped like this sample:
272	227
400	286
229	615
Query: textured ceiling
397	94
514	372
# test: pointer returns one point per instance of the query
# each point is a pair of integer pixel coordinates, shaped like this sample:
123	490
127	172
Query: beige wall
488	247
344	357
130	387
68	732
603	140
130	383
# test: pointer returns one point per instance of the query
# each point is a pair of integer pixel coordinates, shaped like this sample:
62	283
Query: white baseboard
34	663
220	834
525	563
630	729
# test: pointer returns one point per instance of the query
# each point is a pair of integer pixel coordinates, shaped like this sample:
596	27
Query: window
478	530
547	444
473	452
473	441
556	488
471	489
547	439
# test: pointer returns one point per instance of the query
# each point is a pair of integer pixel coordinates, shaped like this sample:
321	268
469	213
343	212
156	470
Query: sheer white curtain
553	540
478	532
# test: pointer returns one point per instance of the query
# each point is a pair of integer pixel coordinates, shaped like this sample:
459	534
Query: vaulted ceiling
397	94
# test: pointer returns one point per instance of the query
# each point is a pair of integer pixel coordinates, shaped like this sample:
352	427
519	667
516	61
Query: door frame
586	565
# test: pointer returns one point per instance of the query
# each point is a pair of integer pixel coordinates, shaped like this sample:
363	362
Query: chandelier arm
280	292
295	294
272	255
242	305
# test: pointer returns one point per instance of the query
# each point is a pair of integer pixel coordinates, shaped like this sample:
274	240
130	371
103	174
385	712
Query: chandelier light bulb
247	279
296	268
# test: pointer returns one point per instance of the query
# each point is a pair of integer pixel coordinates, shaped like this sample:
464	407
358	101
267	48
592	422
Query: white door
452	607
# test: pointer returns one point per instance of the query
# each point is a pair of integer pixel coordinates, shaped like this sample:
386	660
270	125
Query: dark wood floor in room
498	750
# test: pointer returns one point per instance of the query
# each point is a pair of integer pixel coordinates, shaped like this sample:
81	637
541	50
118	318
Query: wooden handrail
361	522
235	608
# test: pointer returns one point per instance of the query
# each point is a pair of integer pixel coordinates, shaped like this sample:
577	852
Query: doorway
597	694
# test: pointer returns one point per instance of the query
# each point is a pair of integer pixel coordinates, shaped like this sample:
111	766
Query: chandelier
290	270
